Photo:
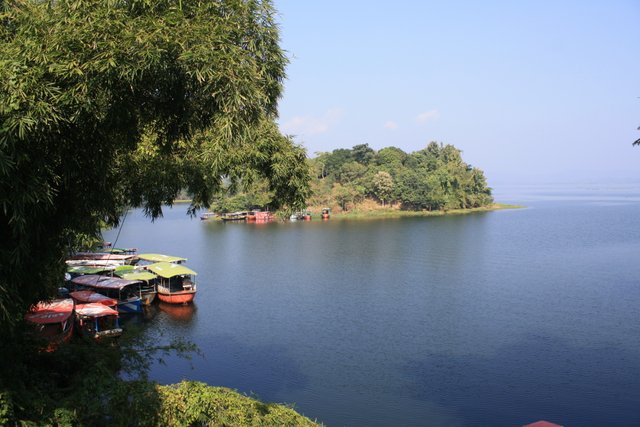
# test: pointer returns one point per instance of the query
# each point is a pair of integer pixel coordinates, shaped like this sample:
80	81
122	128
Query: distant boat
127	292
97	321
207	215
306	216
265	216
52	321
326	213
176	283
234	216
251	216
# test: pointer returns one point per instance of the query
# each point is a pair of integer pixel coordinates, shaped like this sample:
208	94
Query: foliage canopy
109	104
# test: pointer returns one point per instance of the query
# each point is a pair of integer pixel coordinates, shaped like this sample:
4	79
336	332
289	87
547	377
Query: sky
530	91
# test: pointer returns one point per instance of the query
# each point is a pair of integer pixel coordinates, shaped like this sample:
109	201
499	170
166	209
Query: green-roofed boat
161	258
176	283
148	289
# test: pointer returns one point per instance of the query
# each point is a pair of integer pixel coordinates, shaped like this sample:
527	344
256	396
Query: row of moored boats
99	286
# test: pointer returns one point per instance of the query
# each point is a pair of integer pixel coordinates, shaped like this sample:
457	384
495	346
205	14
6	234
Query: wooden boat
97	321
127	292
92	297
326	213
176	283
52	321
234	216
207	215
148	290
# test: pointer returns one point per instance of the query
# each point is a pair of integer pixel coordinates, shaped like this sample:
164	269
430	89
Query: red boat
326	213
53	321
264	216
176	283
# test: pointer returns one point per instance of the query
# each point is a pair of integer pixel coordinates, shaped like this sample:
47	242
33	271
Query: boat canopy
103	282
91	297
102	256
95	310
56	311
136	275
87	269
168	270
160	258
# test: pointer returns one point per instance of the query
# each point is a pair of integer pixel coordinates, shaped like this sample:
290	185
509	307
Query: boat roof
95	310
88	269
167	269
92	296
136	275
102	256
103	282
56	311
160	258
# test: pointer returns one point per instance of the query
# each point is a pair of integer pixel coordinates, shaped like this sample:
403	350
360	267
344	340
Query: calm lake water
491	319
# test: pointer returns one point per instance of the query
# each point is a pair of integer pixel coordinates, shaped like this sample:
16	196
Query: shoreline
394	213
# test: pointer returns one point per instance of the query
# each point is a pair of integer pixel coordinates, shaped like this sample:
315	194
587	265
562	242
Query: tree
112	104
383	186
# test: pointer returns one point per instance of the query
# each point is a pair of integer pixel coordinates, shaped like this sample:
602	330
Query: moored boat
176	283
148	289
265	216
97	321
52	321
127	292
234	216
326	213
207	215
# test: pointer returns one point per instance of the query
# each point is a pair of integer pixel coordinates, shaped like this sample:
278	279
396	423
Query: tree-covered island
432	180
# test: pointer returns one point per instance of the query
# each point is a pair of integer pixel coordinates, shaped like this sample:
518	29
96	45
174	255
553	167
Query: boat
306	216
92	297
207	215
251	216
97	321
326	213
264	216
154	258
295	216
126	292
234	216
148	289
52	321
175	284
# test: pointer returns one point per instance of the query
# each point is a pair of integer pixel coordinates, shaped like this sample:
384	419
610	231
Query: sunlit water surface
499	318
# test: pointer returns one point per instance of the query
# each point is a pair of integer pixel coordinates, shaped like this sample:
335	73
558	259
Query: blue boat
127	292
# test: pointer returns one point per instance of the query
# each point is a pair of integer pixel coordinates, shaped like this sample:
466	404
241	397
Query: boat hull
182	297
133	305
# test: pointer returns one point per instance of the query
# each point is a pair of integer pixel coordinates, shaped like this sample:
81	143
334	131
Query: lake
500	318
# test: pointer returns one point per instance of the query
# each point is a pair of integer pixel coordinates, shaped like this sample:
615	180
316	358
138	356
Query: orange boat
326	213
176	283
53	321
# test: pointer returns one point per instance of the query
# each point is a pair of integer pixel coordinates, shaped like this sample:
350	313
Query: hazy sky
531	91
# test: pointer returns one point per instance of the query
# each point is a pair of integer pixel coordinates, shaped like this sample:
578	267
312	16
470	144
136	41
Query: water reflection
179	313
